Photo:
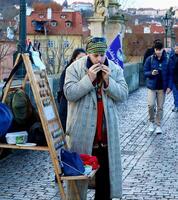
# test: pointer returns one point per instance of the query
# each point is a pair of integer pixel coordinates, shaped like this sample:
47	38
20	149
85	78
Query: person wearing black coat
62	101
175	78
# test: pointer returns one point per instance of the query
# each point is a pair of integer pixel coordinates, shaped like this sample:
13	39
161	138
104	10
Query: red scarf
101	132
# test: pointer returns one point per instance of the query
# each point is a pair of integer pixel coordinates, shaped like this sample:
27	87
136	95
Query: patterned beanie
96	45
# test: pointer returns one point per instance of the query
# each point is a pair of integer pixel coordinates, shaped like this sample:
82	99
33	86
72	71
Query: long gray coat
82	117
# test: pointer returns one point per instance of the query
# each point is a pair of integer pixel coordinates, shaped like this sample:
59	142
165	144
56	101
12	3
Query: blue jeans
175	94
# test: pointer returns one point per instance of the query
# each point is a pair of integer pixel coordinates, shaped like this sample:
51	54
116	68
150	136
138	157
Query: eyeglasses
98	39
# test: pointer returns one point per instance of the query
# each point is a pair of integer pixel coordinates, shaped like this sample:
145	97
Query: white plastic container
17	137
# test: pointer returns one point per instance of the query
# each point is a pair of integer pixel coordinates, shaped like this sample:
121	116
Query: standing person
158	72
150	51
93	87
175	78
78	53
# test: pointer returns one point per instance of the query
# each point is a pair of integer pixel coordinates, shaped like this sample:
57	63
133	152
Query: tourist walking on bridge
175	78
158	72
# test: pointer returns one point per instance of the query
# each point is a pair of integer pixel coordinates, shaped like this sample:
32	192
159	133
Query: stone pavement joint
149	161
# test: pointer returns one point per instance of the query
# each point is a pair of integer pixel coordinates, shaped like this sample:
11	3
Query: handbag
71	163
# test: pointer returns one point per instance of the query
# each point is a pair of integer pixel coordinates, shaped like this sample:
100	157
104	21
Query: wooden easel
50	121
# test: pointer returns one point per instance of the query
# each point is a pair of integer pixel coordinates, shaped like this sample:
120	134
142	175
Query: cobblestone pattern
150	161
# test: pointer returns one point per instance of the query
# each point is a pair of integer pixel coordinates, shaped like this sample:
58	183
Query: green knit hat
96	45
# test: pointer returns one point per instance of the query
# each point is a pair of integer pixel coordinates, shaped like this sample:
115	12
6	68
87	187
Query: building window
53	23
66	44
63	16
51	43
41	15
33	22
51	61
68	24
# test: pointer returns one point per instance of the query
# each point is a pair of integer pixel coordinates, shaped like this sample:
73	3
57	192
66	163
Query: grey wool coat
82	117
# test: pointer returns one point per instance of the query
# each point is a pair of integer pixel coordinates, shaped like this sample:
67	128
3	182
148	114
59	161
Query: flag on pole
114	51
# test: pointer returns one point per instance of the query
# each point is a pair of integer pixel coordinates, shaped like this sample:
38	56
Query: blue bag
71	163
6	118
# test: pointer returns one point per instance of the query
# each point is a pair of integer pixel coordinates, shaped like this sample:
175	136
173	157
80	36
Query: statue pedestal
114	26
96	26
115	22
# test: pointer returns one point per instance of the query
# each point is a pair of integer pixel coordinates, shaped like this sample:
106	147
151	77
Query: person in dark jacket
158	72
150	51
62	101
175	78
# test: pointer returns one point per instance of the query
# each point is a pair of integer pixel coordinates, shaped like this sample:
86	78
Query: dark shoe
91	184
175	109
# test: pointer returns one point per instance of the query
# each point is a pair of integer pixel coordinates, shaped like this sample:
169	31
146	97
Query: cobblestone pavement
150	161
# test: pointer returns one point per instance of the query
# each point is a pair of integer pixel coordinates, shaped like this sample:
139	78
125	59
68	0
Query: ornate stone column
116	21
96	25
108	23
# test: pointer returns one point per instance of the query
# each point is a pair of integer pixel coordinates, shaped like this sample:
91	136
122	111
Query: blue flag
114	51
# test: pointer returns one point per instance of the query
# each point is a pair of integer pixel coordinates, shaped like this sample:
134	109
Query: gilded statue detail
101	7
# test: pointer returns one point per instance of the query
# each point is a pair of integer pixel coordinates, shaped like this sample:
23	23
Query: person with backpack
174	57
62	101
158	74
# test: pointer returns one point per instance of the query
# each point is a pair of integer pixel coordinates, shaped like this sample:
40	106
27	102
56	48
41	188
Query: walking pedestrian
93	87
62	101
158	72
175	78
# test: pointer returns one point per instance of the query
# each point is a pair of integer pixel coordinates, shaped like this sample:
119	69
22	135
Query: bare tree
4	48
57	54
63	52
4	52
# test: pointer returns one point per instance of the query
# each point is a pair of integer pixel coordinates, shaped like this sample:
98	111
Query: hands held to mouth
93	70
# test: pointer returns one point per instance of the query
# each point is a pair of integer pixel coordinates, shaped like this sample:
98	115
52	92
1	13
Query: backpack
25	116
20	105
167	60
36	134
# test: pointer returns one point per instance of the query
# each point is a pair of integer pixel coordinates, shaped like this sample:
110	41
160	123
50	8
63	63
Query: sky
157	4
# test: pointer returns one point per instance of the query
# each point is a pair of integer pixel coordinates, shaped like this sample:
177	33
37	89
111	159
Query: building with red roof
58	31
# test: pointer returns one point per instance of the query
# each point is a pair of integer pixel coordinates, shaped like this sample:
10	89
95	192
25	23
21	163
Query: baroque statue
101	8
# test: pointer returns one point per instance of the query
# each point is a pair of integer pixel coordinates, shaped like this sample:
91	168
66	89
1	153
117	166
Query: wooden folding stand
50	121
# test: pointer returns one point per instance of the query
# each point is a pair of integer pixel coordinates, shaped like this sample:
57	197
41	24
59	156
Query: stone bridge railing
133	73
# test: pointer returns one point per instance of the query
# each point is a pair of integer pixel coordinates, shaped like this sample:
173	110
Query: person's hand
155	72
105	74
93	70
168	90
